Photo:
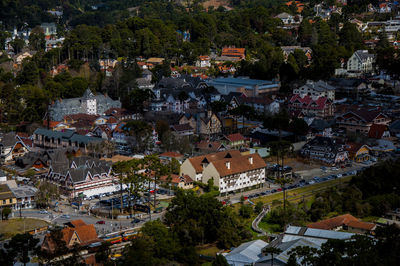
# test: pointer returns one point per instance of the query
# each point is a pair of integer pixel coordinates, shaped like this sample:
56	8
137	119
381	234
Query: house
120	114
358	152
81	175
287	50
379	131
289	19
350	88
245	254
206	146
234	141
285	248
320	107
361	61
360	121
206	123
7	197
182	129
53	139
229	170
49	28
77	233
262	104
394	127
25	196
183	182
236	54
169	155
13	146
203	61
344	222
324	149
316	89
89	103
155	61
247	86
313	235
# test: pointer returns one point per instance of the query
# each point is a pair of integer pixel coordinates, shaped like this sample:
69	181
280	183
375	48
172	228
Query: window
10	200
4	201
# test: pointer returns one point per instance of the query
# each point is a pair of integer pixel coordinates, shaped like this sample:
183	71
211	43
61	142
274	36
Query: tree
259	207
220	260
46	192
21	245
140	252
161	127
5	212
245	211
37	39
3	37
350	37
29	73
271	251
17	44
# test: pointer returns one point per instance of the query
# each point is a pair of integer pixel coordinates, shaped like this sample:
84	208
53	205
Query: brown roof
76	223
209	145
352	147
198	160
235	137
239	164
5	192
376	131
86	233
362	225
171	154
182	127
333	222
176	179
81	117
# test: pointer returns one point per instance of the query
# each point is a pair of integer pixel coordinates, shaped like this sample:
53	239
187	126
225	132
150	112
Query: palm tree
271	251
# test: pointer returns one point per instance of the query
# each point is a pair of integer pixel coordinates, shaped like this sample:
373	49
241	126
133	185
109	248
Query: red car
279	189
100	222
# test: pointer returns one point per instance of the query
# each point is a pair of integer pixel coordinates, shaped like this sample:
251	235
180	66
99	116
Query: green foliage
360	250
245	211
220	260
259	207
203	219
5	212
20	246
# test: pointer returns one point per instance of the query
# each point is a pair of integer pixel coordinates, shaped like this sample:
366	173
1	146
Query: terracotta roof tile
361	225
209	145
78	222
235	137
171	154
198	160
182	127
239	164
333	222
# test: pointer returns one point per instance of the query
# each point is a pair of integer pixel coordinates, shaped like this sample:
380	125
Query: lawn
12	227
208	250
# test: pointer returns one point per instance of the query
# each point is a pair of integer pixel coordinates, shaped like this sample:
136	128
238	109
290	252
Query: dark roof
68	135
5	192
182	127
8	139
376	131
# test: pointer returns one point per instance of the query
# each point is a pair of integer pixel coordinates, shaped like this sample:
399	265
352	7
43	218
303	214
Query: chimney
251	160
228	165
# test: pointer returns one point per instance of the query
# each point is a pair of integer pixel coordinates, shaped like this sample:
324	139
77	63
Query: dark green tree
20	246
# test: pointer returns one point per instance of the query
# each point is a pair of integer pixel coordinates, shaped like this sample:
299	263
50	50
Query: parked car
311	182
135	221
100	222
339	175
43	212
65	216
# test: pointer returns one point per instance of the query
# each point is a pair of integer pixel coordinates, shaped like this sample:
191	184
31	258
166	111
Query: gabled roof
364	114
197	161
353	148
213	146
376	131
334	222
176	179
239	164
247	253
235	137
182	127
171	154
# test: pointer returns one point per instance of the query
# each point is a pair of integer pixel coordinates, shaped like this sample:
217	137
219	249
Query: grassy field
207	250
12	227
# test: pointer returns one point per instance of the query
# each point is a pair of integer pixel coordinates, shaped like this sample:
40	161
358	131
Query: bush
245	211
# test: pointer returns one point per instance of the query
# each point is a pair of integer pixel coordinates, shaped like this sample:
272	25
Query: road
235	198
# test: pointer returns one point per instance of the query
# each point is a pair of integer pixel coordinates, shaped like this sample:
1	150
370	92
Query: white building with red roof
321	107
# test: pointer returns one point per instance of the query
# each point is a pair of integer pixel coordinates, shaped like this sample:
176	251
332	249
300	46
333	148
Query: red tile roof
346	219
171	154
376	131
308	102
235	137
239	164
213	146
197	161
182	127
176	179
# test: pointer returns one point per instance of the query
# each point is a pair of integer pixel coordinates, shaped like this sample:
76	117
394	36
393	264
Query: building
324	149
350	88
203	61
358	152
236	54
261	104
81	175
320	107
289	19
361	61
344	222
12	146
207	123
316	89
229	170
183	182
89	103
250	87
379	131
25	196
77	232
7	197
45	138
360	121
287	50
245	254
49	29
234	141
206	146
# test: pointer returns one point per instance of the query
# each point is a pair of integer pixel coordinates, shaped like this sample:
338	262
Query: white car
334	169
339	175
